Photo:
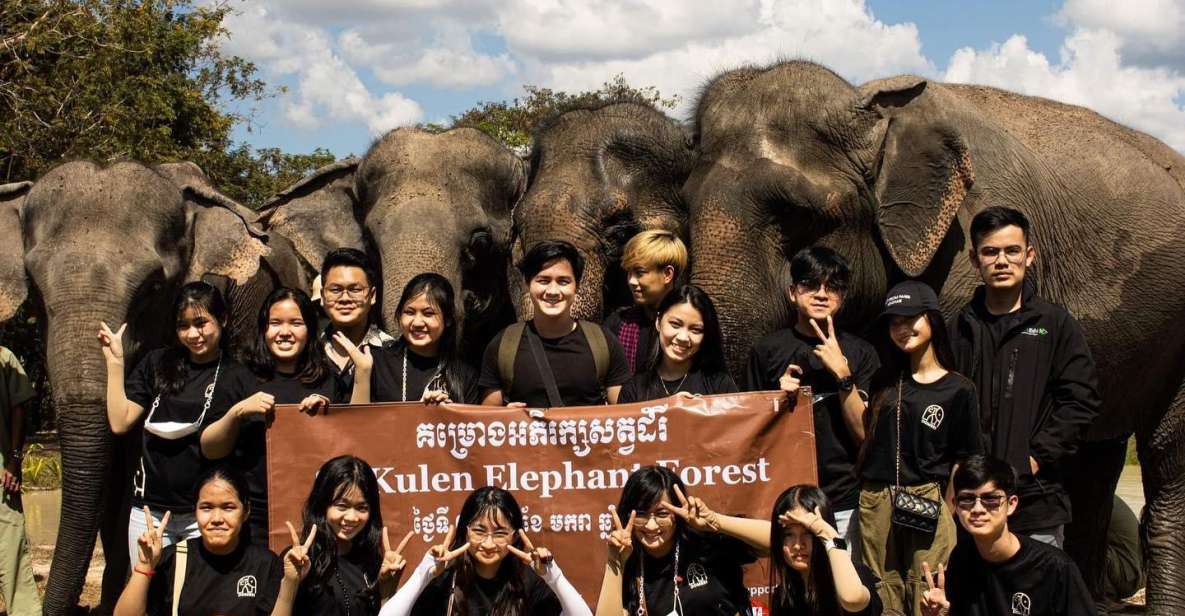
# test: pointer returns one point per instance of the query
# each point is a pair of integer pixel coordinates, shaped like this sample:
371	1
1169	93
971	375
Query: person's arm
1075	393
612	392
571	603
621	545
436	560
122	413
363	361
492	397
218	439
699	516
133	601
833	358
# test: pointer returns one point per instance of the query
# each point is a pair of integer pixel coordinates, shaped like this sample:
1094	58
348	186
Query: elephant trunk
412	239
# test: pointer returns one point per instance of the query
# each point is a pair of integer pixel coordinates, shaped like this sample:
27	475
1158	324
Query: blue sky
371	65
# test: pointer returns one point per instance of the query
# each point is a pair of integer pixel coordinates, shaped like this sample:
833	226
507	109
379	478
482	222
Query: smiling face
348	514
489	533
553	289
984	512
910	333
220	516
1002	258
199	333
680	333
797	545
286	334
816	300
650	284
422	324
654	528
347	296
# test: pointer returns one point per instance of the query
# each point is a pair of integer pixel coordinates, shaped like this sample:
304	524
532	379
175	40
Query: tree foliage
131	80
513	122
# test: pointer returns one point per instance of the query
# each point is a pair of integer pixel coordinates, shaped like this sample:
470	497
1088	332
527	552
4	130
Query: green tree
513	122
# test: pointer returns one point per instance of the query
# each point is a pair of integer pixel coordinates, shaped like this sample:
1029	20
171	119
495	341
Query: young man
653	261
553	359
16	571
349	289
997	571
1031	365
835	364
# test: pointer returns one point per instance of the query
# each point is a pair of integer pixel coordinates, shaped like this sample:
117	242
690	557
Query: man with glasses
838	367
1029	359
997	571
349	289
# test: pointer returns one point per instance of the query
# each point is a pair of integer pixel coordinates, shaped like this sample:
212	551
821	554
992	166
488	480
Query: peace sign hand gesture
393	561
934	601
695	512
829	352
443	556
621	540
536	558
112	342
296	559
151	541
361	357
811	520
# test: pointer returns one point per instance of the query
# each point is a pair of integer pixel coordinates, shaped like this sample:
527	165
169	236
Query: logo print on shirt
932	417
1035	331
696	575
246	586
1021	604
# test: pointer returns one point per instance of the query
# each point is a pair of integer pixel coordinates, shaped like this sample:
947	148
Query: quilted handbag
910	510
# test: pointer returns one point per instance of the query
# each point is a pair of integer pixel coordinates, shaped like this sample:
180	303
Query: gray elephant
420	202
598	176
890	174
108	244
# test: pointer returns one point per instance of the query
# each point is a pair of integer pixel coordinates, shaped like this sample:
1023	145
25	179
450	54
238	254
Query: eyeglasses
660	516
335	292
500	536
815	285
1013	254
991	502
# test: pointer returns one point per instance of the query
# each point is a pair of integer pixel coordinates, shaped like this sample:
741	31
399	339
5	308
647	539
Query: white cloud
1147	29
449	61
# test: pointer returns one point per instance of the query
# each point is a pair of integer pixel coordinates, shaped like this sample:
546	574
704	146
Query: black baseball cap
909	298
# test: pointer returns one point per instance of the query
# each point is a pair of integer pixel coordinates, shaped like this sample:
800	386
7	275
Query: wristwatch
834	544
846	383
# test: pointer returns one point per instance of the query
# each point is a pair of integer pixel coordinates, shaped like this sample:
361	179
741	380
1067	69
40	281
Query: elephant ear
925	172
223	236
318	213
13	283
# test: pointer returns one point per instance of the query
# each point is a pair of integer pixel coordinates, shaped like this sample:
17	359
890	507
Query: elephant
420	202
890	174
598	176
109	243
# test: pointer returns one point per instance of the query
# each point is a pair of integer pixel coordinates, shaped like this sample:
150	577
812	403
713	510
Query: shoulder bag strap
897	458
599	347
544	368
507	352
179	562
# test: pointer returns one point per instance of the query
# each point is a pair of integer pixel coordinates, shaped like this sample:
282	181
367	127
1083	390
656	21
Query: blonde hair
655	248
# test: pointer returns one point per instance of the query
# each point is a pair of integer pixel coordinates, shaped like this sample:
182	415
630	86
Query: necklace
435	376
345	594
677	387
677	605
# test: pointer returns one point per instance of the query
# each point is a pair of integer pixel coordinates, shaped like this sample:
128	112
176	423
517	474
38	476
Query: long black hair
642	492
334	479
440	293
790	592
511	598
311	365
709	358
175	361
895	364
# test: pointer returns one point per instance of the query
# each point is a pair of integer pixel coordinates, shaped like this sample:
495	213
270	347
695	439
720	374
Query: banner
565	466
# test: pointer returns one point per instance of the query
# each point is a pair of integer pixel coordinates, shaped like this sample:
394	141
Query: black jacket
1037	398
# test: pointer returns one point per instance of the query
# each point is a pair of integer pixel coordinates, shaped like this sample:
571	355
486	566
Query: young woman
489	567
221	573
352	567
922	419
811	570
176	391
290	368
685	557
425	363
689	356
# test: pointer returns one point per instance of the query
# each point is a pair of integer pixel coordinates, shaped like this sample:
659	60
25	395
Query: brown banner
564	466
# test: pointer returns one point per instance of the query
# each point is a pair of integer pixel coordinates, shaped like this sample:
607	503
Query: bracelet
144	573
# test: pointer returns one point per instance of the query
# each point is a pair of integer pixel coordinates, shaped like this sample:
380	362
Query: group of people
939	445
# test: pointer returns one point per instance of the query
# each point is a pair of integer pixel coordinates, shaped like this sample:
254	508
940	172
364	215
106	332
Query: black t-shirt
250	453
169	468
242	583
642	388
571	362
835	449
386	378
633	328
1039	580
540	600
801	608
939	426
711	580
352	585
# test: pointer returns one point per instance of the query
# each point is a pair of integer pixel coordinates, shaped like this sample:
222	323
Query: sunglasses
991	501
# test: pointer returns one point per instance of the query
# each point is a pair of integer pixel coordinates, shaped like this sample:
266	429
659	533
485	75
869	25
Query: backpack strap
507	352
179	562
599	347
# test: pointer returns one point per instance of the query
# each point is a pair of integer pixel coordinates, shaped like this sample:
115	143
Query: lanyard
436	378
677	605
